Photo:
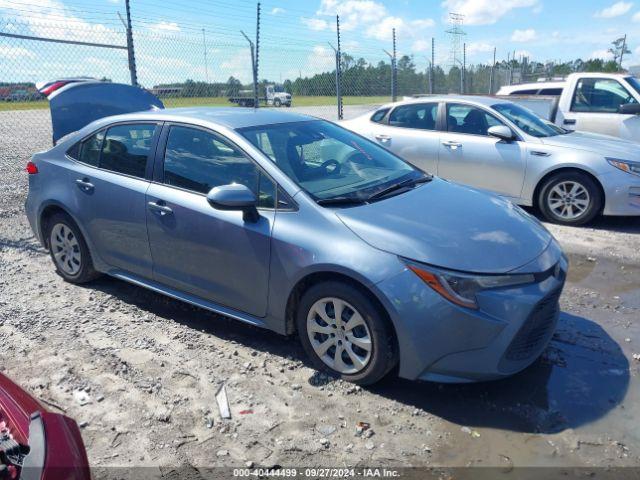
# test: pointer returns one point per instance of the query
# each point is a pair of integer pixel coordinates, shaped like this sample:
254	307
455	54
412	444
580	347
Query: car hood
605	145
450	226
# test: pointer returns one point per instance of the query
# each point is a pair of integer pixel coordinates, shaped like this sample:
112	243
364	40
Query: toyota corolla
297	225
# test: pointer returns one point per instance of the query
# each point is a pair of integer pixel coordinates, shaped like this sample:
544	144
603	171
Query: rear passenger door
197	249
109	183
410	132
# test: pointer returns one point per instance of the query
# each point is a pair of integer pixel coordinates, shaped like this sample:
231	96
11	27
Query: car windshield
634	82
528	121
330	162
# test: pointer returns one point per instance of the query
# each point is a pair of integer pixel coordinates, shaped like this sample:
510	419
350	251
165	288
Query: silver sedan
496	145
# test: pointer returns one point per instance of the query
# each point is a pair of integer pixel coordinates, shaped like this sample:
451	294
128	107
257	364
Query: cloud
353	13
422	23
601	54
277	11
478	47
165	27
523	35
14	53
384	29
421	46
636	17
316	24
615	10
485	12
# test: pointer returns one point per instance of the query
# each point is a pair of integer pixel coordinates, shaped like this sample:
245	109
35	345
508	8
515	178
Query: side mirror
502	132
630	109
235	197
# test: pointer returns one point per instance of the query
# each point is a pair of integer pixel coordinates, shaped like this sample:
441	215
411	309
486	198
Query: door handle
569	121
383	138
84	184
452	145
159	208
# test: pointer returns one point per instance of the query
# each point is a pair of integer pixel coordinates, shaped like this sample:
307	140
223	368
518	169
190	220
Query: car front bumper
622	193
443	342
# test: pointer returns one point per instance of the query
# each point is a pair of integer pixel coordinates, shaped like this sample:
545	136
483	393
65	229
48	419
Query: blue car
294	224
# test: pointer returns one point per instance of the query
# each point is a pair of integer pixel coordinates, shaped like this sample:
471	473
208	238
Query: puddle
609	278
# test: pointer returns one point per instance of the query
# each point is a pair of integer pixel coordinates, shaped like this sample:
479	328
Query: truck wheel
277	103
570	198
345	333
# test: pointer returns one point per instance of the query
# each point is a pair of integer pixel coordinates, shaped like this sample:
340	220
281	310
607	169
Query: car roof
230	117
477	99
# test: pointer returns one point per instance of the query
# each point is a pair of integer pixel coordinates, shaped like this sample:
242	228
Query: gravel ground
139	372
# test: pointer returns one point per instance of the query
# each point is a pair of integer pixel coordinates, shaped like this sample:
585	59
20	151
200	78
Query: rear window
126	149
379	115
525	92
551	91
88	151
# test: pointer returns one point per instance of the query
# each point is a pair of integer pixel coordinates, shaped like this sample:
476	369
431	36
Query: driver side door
195	248
468	155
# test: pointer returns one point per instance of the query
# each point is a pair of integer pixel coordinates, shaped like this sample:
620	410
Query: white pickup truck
593	102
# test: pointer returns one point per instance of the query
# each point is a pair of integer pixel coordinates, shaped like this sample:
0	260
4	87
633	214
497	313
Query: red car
36	443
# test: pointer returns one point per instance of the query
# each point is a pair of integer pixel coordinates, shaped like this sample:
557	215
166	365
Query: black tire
277	103
85	272
594	201
383	355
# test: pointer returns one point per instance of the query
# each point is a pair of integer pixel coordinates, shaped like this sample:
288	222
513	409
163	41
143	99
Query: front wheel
570	198
277	102
345	333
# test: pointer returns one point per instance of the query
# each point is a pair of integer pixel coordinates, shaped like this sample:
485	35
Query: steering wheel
326	166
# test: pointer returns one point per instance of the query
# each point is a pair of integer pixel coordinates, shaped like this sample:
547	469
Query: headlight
461	288
625	165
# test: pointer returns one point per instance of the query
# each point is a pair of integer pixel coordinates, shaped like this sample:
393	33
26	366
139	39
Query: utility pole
206	66
130	52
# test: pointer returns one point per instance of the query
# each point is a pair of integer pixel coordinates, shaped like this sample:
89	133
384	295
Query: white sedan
499	146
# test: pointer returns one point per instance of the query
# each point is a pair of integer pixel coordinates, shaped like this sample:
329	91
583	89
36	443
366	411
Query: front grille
536	330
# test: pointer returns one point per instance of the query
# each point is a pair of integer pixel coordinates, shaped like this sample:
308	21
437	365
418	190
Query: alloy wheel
339	335
568	200
66	249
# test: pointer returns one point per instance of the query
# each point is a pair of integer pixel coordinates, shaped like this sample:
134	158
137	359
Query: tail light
31	169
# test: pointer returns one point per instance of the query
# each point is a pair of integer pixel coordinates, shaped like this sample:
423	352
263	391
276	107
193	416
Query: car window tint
89	151
379	115
197	160
421	116
551	91
469	119
126	149
600	95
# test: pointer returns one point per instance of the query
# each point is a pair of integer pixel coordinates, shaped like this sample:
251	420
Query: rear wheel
68	250
277	102
345	333
570	198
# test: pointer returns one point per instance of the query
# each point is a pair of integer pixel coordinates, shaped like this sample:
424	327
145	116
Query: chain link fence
339	77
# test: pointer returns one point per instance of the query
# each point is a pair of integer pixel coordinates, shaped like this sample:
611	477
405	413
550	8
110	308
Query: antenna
455	32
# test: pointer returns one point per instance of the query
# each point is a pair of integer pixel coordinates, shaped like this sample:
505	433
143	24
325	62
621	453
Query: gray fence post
394	71
257	60
339	70
463	74
130	52
253	68
493	67
433	55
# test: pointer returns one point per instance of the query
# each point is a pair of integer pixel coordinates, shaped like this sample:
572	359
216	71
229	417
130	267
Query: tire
69	250
277	103
373	364
570	198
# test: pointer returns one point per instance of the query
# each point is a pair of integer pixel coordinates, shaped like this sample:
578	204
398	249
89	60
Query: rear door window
126	149
420	115
88	151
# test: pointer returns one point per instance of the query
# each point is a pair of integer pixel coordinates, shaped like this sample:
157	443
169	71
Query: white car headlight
625	165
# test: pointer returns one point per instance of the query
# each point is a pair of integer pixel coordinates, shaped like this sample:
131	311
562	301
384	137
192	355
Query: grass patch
298	101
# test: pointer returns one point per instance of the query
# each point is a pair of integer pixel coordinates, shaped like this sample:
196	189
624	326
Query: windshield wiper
337	201
410	182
